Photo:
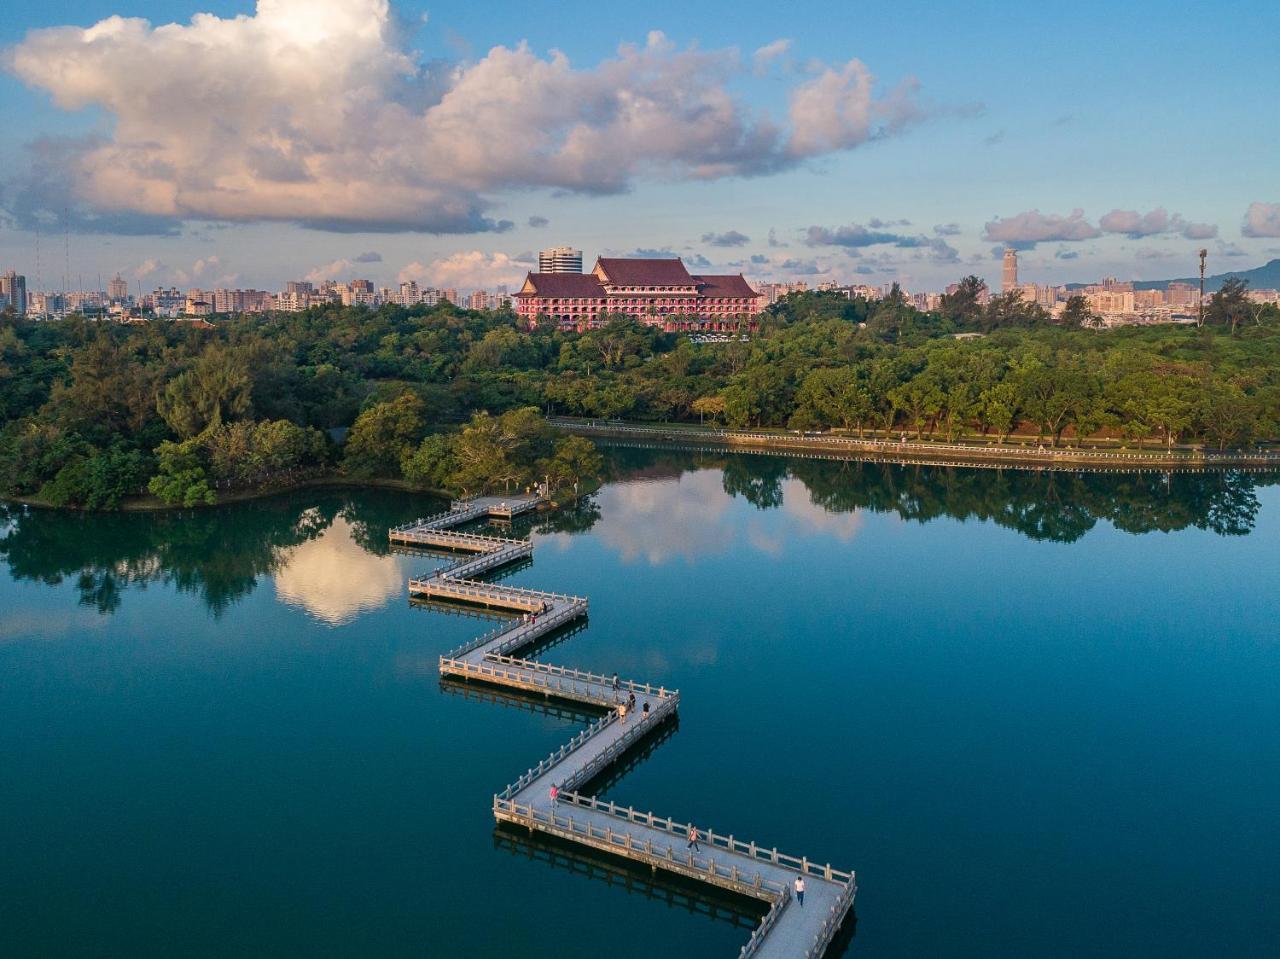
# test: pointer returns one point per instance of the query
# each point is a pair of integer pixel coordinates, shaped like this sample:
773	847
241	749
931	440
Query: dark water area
1038	713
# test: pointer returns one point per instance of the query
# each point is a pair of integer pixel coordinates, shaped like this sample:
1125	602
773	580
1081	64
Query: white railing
766	924
462	587
536	772
889	445
548	611
830	924
593	693
624	685
448	537
709	837
751	883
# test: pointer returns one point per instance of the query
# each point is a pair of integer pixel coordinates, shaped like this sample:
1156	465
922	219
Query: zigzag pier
789	929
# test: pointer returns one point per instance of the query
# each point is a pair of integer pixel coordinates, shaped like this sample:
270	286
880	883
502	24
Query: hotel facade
658	292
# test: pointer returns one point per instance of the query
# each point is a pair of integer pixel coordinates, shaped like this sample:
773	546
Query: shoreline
829	446
151	504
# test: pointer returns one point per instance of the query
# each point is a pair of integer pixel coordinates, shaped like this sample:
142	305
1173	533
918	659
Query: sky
207	144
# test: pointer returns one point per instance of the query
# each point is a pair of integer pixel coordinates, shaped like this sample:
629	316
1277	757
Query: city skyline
770	150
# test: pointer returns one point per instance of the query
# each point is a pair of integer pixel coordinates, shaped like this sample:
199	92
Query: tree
1230	305
999	407
1227	415
964	304
217	389
575	459
1077	314
180	479
97	481
431	464
381	436
712	406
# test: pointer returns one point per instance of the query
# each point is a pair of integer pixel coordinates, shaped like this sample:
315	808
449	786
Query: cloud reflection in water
335	579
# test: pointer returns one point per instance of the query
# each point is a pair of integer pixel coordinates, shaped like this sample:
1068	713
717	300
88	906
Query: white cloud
471	270
1262	219
1137	225
200	269
1032	227
311	111
328	271
147	267
837	110
765	56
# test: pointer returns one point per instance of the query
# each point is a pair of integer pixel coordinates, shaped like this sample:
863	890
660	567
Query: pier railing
766	924
467	589
831	924
687	863
709	837
726	861
624	685
536	772
889	445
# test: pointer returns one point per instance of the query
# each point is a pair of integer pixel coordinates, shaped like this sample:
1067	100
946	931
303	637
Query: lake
1038	713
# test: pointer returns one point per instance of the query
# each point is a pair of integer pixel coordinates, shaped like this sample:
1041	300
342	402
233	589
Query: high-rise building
299	286
13	292
1009	282
562	259
117	290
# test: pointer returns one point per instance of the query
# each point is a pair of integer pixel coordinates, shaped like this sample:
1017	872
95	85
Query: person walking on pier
622	713
693	839
800	889
555	793
646	709
615	687
631	703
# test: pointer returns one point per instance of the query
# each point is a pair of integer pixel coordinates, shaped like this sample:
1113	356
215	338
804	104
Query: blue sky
1137	108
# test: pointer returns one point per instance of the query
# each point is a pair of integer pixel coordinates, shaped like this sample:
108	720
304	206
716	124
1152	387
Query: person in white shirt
800	889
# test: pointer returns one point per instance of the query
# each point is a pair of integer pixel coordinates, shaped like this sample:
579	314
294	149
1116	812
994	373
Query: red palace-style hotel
658	292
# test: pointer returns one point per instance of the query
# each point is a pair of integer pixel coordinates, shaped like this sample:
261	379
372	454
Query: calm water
1039	715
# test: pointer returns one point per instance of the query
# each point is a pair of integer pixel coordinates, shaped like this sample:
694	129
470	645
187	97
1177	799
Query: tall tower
1009	281
562	259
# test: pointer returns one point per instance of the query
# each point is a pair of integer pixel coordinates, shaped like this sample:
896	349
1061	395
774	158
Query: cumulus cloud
372	256
148	267
731	238
1262	219
537	222
947	229
314	111
800	267
1027	229
1137	225
838	110
759	258
765	56
328	271
471	270
1068	254
855	237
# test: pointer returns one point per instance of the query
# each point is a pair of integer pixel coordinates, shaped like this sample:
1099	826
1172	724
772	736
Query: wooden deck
789	929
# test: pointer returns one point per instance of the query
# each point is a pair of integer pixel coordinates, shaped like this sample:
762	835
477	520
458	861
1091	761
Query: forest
93	414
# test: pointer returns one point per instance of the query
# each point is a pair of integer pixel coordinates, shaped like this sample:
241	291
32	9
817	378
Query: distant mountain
1260	278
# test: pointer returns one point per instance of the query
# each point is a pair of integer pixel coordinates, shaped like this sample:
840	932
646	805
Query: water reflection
329	554
335	579
635	879
219	555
